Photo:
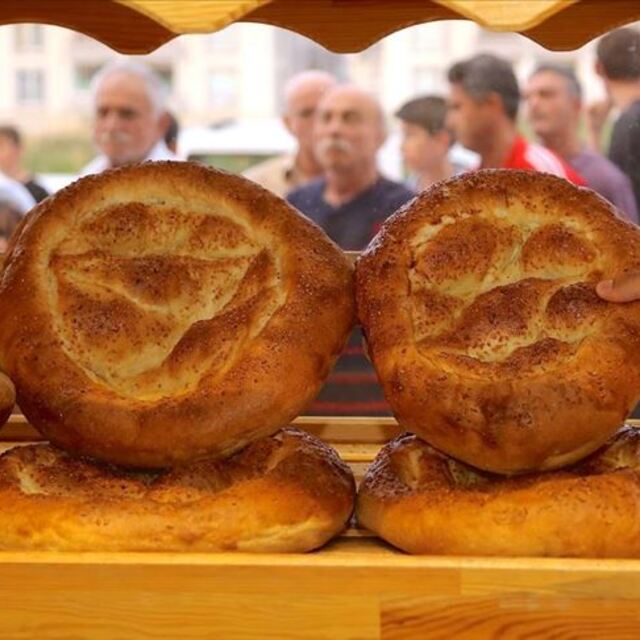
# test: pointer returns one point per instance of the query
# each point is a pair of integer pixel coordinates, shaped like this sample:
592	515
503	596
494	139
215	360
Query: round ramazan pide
165	312
478	304
423	501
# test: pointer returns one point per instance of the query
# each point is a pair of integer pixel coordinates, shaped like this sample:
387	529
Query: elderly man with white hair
352	198
130	116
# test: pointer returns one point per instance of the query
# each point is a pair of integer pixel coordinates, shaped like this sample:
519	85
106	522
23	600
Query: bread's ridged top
166	311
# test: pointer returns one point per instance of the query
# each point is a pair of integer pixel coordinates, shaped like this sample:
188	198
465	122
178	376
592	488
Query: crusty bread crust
423	501
165	312
479	307
286	492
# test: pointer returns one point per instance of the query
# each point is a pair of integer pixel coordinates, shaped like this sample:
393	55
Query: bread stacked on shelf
479	307
288	492
171	319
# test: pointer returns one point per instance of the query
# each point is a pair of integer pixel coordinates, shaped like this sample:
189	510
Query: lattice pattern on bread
504	288
426	502
478	301
135	286
286	492
167	311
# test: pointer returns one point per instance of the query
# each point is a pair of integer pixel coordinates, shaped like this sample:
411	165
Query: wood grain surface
344	26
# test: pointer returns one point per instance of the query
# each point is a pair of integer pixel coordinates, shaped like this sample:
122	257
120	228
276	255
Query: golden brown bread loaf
7	398
479	307
286	492
164	312
423	501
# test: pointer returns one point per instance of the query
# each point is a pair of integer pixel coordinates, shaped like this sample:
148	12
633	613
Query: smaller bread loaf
286	492
423	501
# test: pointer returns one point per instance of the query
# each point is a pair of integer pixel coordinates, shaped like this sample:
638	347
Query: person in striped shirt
482	111
350	202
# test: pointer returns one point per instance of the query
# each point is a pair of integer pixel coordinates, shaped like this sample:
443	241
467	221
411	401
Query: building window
429	80
429	37
29	37
83	77
30	86
166	75
223	92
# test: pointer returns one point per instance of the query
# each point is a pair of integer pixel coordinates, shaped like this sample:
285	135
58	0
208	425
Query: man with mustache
350	202
352	199
130	116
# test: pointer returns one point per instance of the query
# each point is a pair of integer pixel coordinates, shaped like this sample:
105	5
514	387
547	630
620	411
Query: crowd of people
333	176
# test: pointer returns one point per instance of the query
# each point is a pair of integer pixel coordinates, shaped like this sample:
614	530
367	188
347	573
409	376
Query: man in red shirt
483	107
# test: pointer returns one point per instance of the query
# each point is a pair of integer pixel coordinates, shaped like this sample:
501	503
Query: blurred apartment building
239	72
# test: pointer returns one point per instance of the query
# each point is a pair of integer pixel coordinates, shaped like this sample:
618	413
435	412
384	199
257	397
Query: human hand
625	288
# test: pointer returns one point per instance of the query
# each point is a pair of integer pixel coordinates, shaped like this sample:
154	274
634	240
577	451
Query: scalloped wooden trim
499	15
194	16
344	26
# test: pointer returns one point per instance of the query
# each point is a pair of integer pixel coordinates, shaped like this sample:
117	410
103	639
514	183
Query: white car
236	145
239	144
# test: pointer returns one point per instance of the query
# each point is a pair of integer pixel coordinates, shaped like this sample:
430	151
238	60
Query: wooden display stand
356	587
343	26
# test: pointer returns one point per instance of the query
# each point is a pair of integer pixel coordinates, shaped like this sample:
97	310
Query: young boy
426	141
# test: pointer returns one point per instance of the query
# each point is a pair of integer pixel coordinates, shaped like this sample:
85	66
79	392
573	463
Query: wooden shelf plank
335	430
